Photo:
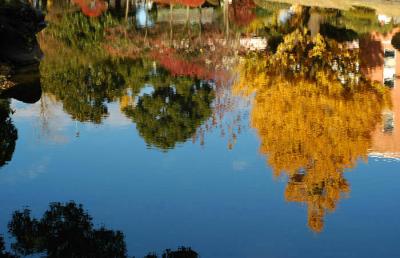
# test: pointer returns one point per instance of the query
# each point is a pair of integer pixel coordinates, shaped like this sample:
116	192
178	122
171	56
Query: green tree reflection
83	89
85	78
172	112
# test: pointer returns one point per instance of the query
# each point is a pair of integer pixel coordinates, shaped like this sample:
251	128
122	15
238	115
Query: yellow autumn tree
314	117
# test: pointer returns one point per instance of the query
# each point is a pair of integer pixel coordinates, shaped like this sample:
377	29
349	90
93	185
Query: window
389	53
388	122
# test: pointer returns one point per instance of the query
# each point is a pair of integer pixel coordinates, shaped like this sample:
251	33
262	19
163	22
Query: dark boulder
19	24
24	85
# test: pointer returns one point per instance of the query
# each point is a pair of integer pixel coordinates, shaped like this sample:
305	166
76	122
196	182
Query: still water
238	129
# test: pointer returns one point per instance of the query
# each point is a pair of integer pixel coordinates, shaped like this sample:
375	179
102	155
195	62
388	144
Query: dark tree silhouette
65	230
8	133
3	252
182	252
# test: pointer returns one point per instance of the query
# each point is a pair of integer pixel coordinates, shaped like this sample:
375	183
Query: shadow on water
67	230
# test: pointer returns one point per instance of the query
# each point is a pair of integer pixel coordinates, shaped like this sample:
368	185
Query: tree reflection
182	252
76	70
8	133
83	89
172	112
67	230
23	84
64	231
3	252
314	113
92	8
85	78
242	12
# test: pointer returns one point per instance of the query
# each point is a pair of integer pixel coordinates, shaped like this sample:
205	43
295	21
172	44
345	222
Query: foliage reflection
85	78
172	112
314	113
67	230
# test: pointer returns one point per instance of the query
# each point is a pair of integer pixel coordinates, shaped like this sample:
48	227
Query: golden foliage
311	128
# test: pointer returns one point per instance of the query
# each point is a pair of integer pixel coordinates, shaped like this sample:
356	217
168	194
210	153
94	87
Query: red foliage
242	12
180	67
92	8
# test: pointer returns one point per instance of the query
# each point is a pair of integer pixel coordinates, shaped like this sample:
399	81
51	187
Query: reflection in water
384	68
19	69
143	17
67	230
301	113
309	133
172	112
8	133
64	231
182	252
23	85
92	8
84	90
85	77
25	88
3	252
316	84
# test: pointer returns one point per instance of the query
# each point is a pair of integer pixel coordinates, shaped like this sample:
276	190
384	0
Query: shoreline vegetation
388	7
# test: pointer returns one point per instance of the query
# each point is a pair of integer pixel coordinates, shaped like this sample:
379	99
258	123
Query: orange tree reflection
314	113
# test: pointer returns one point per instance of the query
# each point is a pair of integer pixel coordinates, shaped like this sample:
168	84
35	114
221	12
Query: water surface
249	129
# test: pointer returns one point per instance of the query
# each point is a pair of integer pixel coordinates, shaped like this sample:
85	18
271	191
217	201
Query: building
381	63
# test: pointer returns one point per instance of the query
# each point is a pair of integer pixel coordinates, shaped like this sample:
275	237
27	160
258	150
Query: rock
22	84
19	23
5	74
